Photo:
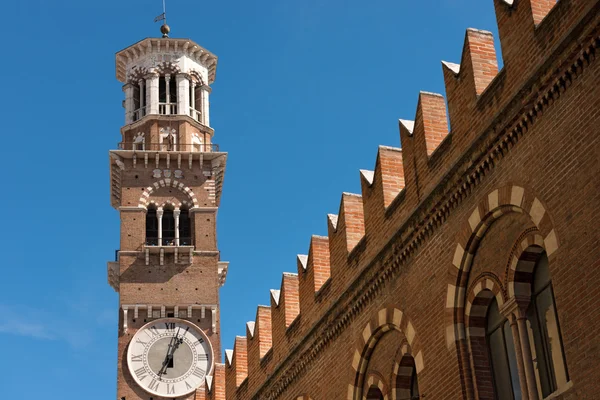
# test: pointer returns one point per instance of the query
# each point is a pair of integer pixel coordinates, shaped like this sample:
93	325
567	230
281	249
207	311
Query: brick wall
444	219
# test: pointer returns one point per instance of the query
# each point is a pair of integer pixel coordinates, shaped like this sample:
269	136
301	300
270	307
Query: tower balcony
169	147
166	109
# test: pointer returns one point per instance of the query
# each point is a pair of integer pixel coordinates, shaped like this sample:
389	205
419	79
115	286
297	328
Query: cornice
157	45
544	88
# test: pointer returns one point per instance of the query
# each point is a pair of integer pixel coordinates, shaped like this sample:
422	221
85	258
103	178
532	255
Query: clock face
169	357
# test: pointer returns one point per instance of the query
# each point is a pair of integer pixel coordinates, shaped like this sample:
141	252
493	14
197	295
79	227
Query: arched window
544	332
407	385
185	231
151	226
168	226
374	393
167	94
139	99
502	354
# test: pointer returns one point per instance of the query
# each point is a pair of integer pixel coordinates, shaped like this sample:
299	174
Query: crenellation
237	369
429	131
259	344
285	310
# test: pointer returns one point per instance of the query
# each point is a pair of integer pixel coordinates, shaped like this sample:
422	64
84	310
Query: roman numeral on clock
135	358
141	342
170	389
170	326
141	373
199	342
154	385
203	357
153	331
187	386
199	372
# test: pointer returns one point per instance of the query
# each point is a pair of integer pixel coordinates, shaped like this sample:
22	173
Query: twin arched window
543	331
168	226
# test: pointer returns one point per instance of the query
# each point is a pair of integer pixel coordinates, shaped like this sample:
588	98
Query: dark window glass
151	227
414	385
162	90
542	318
185	233
502	355
168	228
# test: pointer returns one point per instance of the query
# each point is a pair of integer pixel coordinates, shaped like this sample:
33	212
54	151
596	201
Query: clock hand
173	344
168	356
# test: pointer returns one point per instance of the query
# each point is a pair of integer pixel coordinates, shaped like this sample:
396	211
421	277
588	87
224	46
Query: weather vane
164	29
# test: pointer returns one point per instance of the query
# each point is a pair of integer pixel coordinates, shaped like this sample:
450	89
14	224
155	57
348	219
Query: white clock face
169	357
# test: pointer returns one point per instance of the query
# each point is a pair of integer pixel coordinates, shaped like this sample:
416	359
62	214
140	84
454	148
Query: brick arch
375	379
386	320
167	67
195	75
525	254
480	293
401	378
499	202
145	197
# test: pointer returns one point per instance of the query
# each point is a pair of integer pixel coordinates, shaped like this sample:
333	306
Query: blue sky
305	92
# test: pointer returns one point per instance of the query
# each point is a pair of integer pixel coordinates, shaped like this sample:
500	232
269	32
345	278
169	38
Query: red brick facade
401	289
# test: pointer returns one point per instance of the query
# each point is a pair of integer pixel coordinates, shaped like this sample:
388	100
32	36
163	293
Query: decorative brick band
145	197
387	319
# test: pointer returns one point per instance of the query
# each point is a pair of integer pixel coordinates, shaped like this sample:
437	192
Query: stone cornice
150	45
518	116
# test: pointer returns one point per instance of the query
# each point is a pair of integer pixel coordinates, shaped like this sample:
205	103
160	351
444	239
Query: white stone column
141	113
193	100
176	213
168	88
159	215
205	106
152	94
128	89
183	90
214	319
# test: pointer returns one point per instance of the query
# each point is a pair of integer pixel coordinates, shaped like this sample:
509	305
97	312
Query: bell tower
166	177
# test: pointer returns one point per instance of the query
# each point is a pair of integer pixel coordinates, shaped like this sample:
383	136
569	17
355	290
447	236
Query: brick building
468	268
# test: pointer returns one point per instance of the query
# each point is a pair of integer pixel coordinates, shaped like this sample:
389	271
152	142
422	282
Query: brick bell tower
166	178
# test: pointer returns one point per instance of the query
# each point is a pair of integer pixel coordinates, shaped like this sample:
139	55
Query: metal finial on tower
164	29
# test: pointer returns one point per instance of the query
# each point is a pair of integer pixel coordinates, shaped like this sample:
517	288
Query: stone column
128	89
183	90
176	213
193	100
168	99
527	359
152	94
205	105
159	215
141	111
520	366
